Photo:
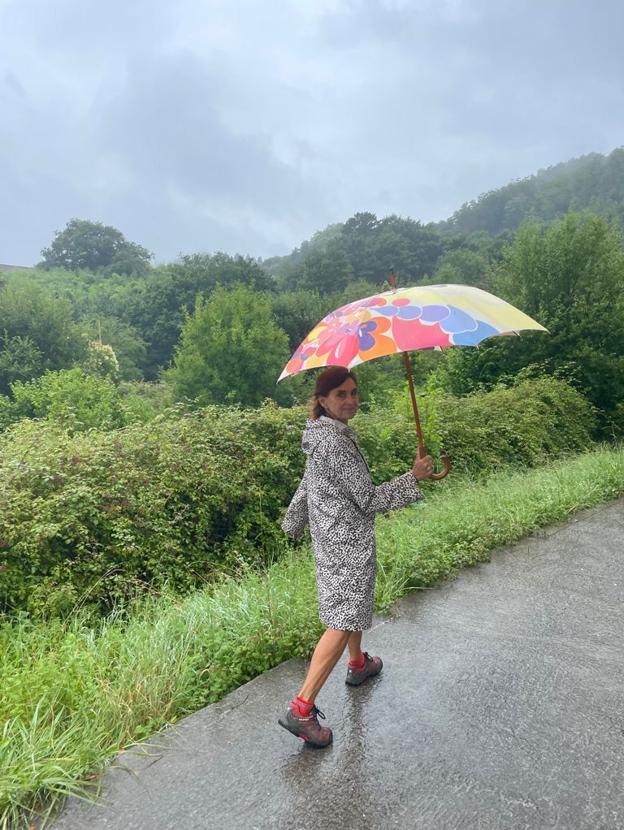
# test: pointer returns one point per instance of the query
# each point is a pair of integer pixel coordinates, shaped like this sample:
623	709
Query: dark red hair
331	378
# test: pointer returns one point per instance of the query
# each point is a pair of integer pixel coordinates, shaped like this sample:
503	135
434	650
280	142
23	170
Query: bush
79	401
142	401
96	517
72	397
526	424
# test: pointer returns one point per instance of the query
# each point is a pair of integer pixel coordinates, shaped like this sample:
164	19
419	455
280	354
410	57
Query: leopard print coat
339	501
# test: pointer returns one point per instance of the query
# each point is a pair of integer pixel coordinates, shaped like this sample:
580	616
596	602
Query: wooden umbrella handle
422	452
446	464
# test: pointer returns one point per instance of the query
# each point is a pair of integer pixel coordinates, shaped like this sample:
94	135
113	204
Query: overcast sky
204	125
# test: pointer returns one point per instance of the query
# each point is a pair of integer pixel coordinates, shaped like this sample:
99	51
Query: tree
101	360
128	347
363	249
231	350
287	271
20	359
570	277
358	235
155	306
94	247
205	271
326	270
409	248
593	181
462	266
297	312
37	334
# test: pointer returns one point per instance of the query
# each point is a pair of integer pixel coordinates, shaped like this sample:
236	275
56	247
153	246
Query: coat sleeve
297	514
351	475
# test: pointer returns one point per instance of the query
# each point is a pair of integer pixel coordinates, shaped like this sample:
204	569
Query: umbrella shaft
410	383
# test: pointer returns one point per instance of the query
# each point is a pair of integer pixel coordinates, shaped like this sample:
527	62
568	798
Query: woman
339	501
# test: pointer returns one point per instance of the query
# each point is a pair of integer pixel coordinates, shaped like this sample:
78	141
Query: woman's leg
355	645
326	654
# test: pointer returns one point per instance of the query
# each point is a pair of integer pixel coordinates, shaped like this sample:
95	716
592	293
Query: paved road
501	706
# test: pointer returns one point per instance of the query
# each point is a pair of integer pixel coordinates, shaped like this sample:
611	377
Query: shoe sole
309	741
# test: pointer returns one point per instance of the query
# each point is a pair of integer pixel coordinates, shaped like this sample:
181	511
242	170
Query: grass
73	695
464	523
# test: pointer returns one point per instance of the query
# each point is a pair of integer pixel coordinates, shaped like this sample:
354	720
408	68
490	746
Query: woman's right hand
423	467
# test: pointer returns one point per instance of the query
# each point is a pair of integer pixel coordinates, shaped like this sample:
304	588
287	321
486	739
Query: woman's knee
338	634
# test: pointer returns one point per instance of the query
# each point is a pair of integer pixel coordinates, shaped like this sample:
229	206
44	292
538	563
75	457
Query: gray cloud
165	127
246	127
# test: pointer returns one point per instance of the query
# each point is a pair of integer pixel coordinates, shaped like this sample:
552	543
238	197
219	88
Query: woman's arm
350	473
297	514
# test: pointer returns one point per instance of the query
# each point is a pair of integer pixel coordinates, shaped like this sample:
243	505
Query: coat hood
320	430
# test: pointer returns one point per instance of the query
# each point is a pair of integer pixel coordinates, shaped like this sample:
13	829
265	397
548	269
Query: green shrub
96	517
142	401
74	398
525	424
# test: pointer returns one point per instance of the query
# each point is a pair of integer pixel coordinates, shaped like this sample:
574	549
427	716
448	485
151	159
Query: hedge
95	518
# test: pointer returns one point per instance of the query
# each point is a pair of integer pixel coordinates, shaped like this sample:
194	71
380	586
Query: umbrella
405	319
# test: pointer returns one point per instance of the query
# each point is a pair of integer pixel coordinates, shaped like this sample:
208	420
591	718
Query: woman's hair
325	382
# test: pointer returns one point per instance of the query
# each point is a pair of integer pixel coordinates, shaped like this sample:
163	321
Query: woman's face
342	402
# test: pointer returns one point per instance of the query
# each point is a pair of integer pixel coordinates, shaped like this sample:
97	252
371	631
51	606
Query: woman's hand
423	467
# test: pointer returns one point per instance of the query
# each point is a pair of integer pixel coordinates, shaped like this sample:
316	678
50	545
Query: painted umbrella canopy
423	317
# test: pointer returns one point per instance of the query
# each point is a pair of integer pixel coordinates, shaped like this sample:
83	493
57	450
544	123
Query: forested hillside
593	181
457	250
97	336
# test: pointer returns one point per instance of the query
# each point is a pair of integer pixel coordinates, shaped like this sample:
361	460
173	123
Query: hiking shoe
371	667
307	728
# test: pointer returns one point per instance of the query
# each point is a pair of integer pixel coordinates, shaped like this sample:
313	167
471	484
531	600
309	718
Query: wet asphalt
501	705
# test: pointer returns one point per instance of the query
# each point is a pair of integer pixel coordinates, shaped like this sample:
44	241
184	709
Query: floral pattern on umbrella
423	317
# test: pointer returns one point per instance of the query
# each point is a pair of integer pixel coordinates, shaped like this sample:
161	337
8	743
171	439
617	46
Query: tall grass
73	695
464	523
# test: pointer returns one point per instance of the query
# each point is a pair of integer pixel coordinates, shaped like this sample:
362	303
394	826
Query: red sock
304	706
358	664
